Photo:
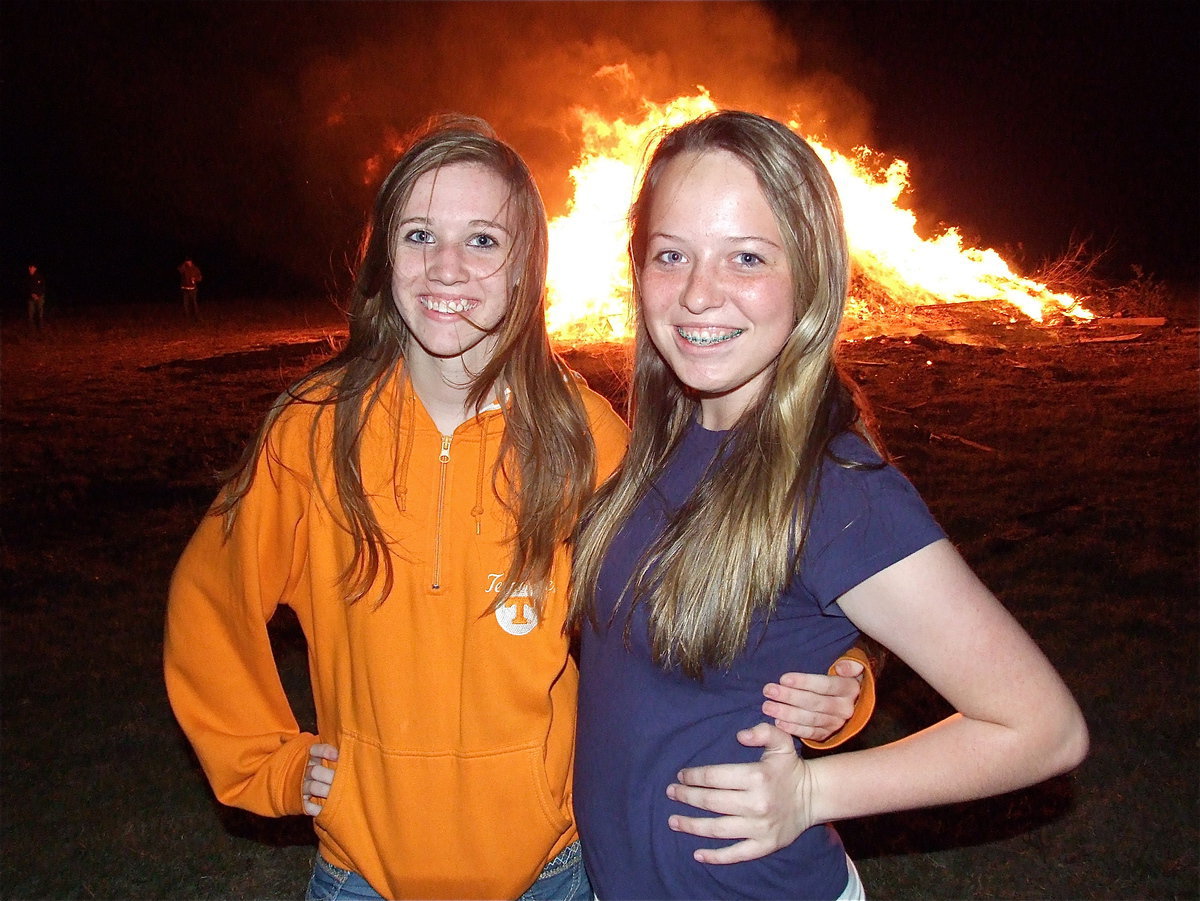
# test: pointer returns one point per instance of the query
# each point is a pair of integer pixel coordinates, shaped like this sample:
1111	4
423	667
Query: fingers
819	692
783	717
744	850
760	806
733	788
723	776
747	849
318	781
725	802
800	723
726	827
739	776
318	778
770	738
729	789
851	669
722	828
321	751
811	706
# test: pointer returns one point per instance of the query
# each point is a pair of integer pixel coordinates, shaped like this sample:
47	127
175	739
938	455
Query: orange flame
589	280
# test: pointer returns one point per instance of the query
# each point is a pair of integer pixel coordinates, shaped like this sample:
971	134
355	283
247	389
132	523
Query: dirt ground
1062	460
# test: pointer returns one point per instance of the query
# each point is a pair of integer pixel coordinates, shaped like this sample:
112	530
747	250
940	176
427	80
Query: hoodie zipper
443	467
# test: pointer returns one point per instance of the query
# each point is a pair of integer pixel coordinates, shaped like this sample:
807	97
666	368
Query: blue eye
419	236
746	258
483	241
670	256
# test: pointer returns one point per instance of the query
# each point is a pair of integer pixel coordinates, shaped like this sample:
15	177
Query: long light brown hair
546	457
734	545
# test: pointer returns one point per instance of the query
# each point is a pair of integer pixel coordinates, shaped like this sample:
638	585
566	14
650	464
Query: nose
702	290
444	263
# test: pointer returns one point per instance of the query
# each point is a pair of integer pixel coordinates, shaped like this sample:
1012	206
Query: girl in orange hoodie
410	501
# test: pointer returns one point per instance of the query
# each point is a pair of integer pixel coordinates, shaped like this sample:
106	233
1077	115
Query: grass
1066	472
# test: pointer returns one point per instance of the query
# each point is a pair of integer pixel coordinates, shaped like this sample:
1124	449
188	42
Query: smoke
260	132
526	67
257	132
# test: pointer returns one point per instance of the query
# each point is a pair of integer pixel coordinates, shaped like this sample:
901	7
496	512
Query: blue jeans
330	883
563	879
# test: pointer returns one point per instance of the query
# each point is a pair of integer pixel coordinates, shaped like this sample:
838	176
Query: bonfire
589	281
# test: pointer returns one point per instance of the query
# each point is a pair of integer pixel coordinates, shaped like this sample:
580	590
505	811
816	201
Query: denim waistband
567	858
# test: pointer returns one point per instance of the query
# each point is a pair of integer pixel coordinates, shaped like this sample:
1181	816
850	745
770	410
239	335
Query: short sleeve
864	520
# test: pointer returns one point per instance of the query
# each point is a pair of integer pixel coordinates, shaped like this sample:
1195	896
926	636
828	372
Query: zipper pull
444	456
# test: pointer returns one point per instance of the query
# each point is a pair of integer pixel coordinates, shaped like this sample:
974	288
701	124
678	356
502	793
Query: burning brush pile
901	281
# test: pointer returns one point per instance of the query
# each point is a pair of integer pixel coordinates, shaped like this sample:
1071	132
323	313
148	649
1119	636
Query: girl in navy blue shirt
752	523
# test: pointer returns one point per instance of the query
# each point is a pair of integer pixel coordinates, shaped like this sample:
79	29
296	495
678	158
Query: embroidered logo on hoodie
517	616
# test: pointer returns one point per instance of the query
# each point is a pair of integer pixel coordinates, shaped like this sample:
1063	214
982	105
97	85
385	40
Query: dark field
1065	469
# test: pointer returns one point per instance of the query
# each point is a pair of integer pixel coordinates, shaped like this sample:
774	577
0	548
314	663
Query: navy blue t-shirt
639	725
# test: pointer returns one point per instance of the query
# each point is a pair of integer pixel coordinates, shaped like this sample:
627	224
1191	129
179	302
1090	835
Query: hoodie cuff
291	775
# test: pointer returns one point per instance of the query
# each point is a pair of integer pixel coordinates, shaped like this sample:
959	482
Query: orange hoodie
455	726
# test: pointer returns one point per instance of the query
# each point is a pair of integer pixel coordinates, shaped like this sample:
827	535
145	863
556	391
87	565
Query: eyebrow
474	223
733	239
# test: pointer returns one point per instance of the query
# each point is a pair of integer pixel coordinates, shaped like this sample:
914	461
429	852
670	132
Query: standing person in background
410	500
754	521
189	285
35	291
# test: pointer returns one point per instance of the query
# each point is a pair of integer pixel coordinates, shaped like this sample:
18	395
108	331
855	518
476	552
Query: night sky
241	134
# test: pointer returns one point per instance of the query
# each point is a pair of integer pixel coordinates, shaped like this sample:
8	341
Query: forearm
262	774
220	670
1017	722
958	759
244	734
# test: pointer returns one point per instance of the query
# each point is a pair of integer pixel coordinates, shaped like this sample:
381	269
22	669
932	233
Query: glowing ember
589	280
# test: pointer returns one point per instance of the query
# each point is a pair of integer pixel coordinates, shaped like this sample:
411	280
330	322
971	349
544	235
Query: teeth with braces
446	306
707	337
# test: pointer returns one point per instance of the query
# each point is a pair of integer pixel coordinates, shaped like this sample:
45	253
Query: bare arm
1016	724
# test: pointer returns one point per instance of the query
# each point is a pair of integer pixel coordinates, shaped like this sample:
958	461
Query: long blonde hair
733	547
546	457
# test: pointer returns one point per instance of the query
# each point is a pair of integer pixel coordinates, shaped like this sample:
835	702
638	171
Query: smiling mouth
441	305
707	337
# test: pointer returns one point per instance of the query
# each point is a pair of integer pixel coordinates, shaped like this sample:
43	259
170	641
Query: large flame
589	280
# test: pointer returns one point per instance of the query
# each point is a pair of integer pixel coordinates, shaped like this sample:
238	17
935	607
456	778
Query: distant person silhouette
37	297
189	284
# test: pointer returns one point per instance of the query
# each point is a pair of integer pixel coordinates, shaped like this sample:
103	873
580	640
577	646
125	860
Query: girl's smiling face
453	264
717	293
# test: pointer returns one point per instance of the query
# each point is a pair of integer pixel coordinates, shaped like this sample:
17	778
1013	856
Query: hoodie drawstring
477	510
403	455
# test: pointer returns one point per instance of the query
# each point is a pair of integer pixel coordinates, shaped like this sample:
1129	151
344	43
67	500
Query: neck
443	386
717	417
